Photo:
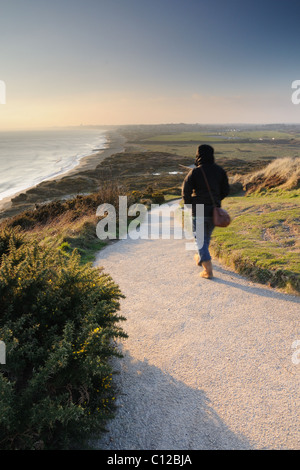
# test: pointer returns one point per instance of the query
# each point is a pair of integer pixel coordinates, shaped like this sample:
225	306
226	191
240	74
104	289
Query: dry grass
68	210
67	224
282	173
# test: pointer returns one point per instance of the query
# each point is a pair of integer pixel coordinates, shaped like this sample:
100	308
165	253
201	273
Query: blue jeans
203	248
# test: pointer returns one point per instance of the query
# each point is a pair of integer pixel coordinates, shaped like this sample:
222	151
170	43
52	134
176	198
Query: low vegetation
282	174
263	241
59	320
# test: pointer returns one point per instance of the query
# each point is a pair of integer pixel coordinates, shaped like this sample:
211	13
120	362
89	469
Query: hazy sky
70	62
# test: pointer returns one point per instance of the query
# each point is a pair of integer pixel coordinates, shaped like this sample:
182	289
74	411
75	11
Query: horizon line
68	126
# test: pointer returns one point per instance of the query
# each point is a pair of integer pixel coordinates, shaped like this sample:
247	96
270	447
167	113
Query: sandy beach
115	144
81	179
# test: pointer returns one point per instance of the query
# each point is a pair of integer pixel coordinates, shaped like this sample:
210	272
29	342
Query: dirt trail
208	363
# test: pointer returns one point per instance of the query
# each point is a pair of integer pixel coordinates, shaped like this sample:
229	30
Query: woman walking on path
195	191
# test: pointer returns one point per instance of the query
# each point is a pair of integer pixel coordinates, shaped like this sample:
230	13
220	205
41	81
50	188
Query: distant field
247	145
219	136
230	150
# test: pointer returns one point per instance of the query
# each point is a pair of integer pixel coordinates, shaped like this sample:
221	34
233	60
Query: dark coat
194	189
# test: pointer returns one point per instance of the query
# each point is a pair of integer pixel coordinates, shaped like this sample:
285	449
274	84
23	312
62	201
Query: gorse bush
10	236
59	321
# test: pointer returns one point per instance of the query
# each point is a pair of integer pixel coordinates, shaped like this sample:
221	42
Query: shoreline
115	144
26	199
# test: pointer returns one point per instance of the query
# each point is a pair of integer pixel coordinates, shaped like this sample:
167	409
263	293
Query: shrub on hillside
76	207
158	198
8	237
58	320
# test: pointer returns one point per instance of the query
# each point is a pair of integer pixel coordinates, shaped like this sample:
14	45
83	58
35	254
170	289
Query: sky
115	62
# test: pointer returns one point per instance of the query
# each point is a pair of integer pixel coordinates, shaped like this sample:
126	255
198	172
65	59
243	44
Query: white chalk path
208	364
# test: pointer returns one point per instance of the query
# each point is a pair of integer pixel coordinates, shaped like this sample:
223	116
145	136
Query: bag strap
208	187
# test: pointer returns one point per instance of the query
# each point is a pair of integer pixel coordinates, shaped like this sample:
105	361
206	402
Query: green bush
10	236
158	198
59	321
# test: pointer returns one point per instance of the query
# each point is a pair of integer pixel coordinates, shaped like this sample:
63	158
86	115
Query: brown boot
197	260
207	272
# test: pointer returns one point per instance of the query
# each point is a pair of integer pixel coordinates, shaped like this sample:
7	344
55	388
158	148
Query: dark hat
205	154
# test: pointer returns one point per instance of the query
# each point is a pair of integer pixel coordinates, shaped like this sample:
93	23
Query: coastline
77	180
115	144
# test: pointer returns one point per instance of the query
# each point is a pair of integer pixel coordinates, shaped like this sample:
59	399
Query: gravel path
208	363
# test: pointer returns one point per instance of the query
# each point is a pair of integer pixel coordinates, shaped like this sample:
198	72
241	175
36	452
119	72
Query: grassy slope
263	238
67	225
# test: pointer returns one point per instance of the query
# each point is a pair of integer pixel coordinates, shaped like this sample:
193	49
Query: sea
29	157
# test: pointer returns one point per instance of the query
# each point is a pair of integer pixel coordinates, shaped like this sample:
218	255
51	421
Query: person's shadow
256	289
157	412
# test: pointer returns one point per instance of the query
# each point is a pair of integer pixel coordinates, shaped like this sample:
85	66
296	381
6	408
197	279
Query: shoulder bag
221	218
